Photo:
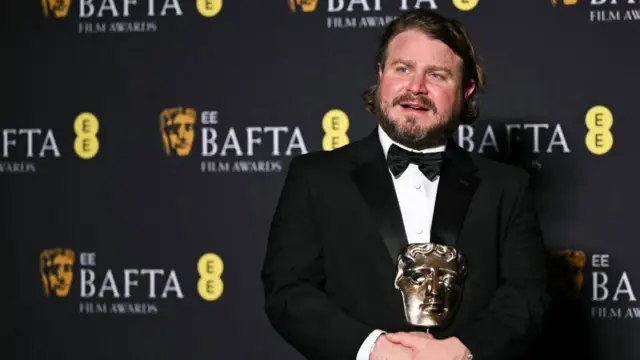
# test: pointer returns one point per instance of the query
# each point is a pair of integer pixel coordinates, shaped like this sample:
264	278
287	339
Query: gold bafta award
431	278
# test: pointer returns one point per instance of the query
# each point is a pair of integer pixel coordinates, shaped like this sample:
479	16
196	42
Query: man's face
431	290
420	94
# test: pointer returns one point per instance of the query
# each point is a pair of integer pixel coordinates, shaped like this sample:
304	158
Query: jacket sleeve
508	327
293	277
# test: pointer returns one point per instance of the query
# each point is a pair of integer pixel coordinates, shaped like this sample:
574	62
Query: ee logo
565	2
335	124
210	285
465	5
599	139
209	8
86	128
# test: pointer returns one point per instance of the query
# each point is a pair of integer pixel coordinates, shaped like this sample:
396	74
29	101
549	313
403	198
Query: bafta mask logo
566	277
431	279
564	2
177	126
59	8
56	270
304	5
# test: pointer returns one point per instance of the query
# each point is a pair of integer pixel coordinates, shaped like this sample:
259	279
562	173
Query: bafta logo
59	8
565	268
564	2
431	279
56	270
177	128
304	5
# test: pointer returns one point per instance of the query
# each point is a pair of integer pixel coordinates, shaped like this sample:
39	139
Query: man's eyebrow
412	63
402	61
440	68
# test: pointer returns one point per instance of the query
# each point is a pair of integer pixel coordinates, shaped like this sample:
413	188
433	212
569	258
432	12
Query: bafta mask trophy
431	279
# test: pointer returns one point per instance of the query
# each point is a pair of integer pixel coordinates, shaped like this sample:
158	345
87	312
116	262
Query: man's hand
386	350
425	347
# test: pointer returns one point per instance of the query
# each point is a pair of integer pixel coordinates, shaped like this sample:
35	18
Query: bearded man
344	215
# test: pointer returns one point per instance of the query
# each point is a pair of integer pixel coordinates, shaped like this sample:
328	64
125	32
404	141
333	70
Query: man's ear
471	87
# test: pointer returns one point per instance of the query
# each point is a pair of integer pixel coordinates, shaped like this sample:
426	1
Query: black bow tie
429	163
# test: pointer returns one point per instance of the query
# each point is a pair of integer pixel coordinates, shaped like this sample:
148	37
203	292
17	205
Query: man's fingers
406	339
422	334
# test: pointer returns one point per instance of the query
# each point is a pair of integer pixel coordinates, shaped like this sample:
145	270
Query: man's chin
415	132
415	125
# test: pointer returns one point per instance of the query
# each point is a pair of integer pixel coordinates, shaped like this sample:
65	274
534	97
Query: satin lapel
375	184
457	185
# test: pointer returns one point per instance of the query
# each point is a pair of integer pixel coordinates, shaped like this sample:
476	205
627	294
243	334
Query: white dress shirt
417	199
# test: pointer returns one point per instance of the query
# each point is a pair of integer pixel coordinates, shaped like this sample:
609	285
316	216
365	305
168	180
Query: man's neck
386	141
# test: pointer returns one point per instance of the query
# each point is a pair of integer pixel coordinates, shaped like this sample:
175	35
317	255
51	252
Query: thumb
405	339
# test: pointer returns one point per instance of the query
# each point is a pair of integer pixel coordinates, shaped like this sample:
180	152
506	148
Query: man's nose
418	84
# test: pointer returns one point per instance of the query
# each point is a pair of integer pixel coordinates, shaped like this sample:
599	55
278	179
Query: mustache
421	99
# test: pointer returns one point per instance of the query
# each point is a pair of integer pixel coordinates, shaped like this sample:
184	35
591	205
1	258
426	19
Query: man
343	217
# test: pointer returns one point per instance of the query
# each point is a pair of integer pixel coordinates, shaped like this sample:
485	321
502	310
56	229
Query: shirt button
420	231
418	186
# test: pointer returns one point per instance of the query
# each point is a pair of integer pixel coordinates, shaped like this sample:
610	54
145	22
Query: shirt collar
386	142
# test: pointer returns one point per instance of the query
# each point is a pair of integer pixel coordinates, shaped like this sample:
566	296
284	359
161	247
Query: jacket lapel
374	182
456	188
458	184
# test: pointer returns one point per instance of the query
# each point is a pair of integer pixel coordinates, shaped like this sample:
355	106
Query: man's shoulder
498	171
337	159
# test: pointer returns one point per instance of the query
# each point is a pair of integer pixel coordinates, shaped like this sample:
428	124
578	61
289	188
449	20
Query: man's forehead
416	46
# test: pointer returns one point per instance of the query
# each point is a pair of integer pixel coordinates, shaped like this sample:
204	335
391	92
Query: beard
408	131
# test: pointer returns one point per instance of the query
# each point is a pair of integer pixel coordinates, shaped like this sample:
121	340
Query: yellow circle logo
335	124
465	5
86	127
209	8
210	285
599	139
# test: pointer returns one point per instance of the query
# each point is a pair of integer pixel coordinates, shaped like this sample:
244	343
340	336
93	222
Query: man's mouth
414	106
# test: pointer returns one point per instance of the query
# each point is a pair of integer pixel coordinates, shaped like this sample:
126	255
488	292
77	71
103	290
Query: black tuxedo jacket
337	230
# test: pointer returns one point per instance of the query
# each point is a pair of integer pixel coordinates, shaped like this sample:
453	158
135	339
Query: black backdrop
90	92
